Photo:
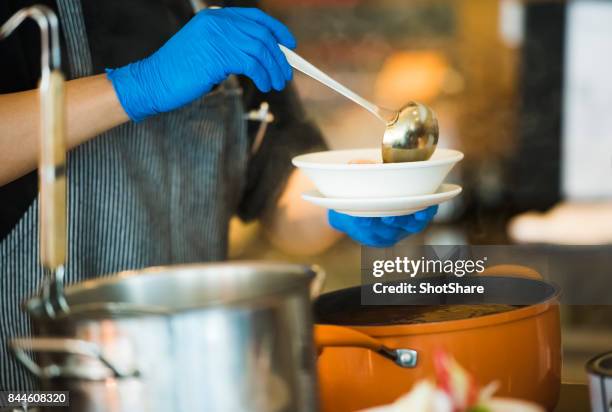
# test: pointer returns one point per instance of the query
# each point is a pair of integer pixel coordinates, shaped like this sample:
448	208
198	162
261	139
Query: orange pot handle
517	271
341	336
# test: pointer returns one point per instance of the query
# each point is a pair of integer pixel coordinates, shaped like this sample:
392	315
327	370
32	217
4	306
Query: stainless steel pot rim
229	278
99	310
601	365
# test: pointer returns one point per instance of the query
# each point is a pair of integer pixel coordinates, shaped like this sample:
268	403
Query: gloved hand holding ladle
411	133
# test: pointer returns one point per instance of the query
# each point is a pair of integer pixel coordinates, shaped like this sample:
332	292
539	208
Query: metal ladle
411	133
52	157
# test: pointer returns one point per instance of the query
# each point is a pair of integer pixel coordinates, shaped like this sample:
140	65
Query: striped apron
152	193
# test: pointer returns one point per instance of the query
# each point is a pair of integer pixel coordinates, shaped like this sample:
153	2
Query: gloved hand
212	45
381	231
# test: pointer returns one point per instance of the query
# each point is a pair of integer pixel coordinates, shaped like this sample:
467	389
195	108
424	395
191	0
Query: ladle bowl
412	137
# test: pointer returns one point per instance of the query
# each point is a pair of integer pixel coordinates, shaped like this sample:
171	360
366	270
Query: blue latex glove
381	231
212	45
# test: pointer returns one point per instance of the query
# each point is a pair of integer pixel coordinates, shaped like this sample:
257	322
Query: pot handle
20	347
340	336
517	271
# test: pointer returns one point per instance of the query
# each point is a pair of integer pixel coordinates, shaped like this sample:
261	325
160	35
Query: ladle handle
318	281
299	63
52	171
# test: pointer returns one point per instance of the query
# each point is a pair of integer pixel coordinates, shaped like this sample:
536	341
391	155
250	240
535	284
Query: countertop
573	398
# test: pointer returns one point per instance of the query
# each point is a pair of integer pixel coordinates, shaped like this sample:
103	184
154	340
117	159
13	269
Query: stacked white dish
377	189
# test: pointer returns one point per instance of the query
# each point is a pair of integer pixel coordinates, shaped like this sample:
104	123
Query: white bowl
334	177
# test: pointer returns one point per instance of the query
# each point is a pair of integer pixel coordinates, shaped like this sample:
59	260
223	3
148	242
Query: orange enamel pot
359	366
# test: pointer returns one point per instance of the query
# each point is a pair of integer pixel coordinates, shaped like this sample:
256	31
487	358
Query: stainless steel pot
209	337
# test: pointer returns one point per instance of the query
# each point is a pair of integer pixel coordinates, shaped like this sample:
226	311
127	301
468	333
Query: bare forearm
92	108
298	227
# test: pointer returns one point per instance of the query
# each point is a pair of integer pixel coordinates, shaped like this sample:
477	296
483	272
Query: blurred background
522	88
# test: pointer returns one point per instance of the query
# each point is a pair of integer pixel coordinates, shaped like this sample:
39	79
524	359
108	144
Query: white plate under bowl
334	177
391	206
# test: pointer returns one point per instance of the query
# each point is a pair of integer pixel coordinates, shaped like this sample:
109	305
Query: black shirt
120	32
